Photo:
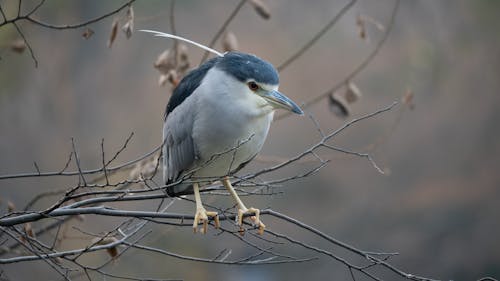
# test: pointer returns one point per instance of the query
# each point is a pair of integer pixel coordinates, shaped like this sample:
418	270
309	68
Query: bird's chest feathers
237	124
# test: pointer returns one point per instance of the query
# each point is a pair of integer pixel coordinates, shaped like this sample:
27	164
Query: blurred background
437	205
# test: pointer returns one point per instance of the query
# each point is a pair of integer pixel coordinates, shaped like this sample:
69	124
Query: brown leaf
18	46
87	33
229	42
261	9
338	106
112	251
114	31
352	93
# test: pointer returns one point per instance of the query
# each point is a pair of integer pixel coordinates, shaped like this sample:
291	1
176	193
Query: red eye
253	86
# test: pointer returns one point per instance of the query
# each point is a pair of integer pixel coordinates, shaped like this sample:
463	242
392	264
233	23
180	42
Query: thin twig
316	37
356	70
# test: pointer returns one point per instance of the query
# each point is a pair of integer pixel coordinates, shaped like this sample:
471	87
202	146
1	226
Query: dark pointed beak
278	100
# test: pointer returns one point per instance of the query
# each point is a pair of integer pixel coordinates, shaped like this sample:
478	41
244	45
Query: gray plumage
214	124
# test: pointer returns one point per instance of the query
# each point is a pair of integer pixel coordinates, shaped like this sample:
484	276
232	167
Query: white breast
231	128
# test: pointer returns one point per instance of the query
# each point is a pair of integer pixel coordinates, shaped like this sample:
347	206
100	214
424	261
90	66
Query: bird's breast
226	136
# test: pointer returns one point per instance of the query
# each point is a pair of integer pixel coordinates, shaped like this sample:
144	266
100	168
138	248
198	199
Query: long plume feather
167	35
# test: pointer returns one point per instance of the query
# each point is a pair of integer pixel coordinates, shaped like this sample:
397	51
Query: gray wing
179	152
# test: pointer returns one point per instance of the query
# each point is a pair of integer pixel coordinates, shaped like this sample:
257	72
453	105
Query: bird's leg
242	209
201	214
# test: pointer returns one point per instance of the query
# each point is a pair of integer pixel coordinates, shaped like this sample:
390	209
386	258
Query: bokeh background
438	204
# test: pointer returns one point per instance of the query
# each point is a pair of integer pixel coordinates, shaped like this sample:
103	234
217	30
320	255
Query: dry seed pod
338	106
114	31
229	42
128	27
352	93
18	46
87	33
360	22
165	61
261	9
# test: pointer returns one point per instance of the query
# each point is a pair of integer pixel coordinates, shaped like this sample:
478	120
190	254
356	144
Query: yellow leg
201	214
242	209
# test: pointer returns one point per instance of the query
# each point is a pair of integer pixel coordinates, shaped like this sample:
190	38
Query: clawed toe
201	216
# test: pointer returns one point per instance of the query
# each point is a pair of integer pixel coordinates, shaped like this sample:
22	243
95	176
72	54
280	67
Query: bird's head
255	79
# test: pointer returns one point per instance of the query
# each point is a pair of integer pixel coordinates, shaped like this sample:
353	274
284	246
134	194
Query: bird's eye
253	86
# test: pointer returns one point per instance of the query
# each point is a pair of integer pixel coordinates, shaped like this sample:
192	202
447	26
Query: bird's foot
201	216
255	219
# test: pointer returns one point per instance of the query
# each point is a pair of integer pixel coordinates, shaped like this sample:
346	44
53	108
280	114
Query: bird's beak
278	100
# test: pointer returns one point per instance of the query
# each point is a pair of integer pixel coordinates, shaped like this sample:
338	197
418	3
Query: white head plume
167	35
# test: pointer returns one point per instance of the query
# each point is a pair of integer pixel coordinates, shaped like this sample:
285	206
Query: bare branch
316	37
356	70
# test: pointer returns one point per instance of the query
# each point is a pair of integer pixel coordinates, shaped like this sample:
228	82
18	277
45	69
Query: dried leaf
165	61
172	77
229	42
261	9
352	93
128	27
87	33
182	60
10	207
162	80
28	229
338	106
18	46
114	31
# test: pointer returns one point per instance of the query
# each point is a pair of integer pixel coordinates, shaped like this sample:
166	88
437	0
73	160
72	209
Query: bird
216	121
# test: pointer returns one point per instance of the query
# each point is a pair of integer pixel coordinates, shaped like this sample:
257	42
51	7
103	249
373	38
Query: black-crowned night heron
216	122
